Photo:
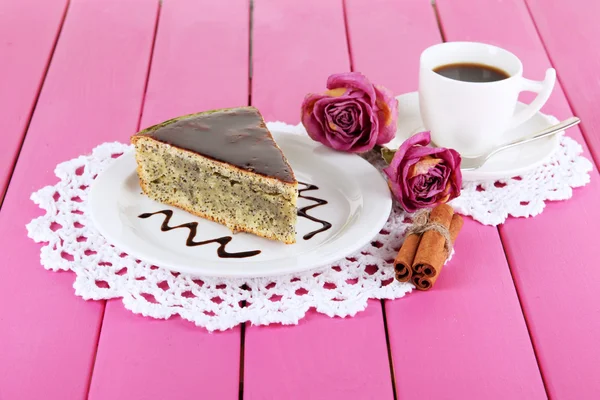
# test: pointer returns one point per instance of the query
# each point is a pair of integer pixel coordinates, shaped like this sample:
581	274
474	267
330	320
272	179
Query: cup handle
543	89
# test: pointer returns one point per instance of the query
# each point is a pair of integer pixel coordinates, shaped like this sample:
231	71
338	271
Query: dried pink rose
423	177
352	115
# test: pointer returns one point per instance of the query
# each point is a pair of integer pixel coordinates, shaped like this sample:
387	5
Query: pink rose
423	177
353	115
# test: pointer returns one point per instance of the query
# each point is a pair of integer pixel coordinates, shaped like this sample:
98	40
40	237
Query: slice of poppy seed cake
222	165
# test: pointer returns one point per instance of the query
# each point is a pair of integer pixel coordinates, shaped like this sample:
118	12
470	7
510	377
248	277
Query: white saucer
506	164
359	204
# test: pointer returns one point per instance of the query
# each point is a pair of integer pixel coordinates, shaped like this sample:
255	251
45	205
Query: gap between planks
149	68
535	352
389	349
438	20
35	103
584	133
141	111
250	65
596	161
347	30
382	302
250	48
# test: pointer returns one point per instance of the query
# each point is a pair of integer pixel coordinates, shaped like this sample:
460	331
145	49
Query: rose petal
352	115
367	136
313	126
423	166
336	112
344	118
325	110
399	185
337	92
421	176
338	137
387	113
420	139
353	80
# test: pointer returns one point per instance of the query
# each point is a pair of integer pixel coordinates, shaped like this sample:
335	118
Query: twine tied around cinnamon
427	246
421	225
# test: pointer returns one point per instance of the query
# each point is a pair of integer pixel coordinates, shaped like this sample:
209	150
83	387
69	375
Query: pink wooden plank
92	94
290	61
574	52
143	358
561	307
387	38
320	358
297	44
28	31
466	338
473	339
200	60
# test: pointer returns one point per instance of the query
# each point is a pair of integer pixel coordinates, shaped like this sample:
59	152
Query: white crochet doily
102	271
491	202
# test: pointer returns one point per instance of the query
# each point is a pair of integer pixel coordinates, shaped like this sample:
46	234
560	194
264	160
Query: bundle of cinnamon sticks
425	250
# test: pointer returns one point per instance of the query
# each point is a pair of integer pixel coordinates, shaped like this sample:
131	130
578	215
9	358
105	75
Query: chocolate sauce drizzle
302	212
224	240
193	227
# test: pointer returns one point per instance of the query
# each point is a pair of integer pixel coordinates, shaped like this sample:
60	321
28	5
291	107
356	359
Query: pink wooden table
517	317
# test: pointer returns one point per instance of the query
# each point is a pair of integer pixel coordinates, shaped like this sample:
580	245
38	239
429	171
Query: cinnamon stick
455	227
422	282
431	254
431	251
404	260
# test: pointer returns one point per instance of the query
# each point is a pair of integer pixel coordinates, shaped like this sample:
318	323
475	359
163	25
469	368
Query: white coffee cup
472	117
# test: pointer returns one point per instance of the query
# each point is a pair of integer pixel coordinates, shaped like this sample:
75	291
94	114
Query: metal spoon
471	163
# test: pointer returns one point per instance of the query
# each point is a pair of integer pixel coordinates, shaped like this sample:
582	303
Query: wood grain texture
142	358
290	61
573	51
200	60
552	256
145	358
28	32
297	45
92	94
320	358
465	338
387	38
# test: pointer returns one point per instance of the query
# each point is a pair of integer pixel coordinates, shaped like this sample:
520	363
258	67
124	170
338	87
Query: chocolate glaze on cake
235	136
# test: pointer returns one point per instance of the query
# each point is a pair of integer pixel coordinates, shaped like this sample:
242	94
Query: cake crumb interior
208	189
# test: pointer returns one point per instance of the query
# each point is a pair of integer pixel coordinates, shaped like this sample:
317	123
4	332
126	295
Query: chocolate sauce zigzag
302	212
193	227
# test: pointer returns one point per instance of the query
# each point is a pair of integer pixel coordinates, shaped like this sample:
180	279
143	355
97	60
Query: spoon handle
569	122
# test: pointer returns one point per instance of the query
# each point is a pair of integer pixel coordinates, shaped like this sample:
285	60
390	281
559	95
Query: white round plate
359	204
505	164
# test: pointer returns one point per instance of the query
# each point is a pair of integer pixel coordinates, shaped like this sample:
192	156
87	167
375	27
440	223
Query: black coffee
469	72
